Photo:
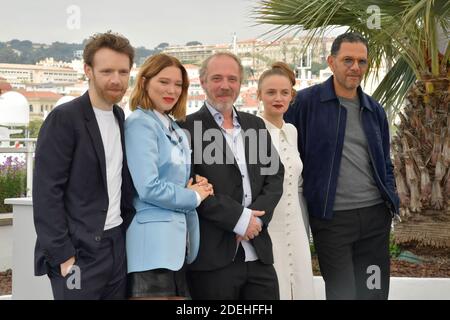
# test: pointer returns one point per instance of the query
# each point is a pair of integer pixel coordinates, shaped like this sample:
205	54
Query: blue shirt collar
218	117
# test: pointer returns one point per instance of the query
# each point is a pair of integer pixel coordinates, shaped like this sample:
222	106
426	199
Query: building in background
46	82
19	75
40	102
4	85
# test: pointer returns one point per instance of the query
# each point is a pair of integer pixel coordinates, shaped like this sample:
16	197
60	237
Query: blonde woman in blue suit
164	234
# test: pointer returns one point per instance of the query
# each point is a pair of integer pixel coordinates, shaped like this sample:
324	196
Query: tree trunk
421	150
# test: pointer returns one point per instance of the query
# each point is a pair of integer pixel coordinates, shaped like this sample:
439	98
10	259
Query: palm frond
407	36
393	87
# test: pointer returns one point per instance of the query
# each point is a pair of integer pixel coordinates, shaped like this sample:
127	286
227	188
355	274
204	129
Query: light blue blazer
165	209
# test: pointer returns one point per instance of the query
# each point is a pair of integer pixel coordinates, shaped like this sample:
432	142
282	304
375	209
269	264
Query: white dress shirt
236	143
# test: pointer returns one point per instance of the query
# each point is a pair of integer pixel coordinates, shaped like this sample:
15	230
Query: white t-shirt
110	132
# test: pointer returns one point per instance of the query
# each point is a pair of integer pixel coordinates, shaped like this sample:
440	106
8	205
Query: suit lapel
94	132
168	134
245	125
120	120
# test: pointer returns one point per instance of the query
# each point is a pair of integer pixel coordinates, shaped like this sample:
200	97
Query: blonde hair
151	67
279	69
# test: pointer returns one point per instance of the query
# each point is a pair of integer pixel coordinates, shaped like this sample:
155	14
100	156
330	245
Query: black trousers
97	276
239	280
353	252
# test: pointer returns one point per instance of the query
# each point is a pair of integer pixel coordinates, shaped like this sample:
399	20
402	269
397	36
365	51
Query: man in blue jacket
343	140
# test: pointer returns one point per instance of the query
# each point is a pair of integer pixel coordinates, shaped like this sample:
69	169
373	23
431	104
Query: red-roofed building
4	85
41	102
192	71
249	100
195	102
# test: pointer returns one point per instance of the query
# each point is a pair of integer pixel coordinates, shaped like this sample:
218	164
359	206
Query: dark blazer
70	197
220	213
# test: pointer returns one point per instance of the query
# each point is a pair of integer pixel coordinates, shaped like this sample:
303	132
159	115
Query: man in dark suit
235	258
82	190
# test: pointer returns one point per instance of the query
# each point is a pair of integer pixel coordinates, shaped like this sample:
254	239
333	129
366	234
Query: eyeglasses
349	62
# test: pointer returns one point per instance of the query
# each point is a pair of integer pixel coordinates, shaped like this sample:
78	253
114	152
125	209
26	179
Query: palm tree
411	36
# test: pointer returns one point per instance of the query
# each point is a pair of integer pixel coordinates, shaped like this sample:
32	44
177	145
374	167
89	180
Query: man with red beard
82	189
348	181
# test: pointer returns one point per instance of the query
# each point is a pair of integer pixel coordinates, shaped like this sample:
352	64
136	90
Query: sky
145	23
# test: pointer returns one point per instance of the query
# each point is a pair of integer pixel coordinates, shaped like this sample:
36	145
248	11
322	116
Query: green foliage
12	181
248	73
7	55
141	54
193	43
316	67
62	51
406	36
19	135
21	45
34	127
161	46
394	249
26	52
312	249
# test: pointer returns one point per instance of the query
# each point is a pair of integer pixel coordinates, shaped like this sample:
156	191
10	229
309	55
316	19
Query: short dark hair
347	37
110	40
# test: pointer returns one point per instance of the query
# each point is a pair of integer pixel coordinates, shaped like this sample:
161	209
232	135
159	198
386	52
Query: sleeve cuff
242	224
199	199
260	221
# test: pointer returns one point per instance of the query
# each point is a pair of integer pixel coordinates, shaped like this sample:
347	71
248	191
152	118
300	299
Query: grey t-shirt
356	187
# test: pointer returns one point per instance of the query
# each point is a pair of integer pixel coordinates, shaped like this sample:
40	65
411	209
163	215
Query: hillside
27	52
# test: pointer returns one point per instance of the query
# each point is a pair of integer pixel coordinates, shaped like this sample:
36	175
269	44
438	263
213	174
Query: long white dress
289	227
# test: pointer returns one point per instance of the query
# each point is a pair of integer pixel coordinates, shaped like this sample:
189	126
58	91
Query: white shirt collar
218	117
164	119
99	111
283	130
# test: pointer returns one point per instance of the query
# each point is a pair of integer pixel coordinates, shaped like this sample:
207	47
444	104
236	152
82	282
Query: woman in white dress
289	227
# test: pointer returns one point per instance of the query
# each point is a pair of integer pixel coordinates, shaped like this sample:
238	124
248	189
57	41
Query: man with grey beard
235	259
